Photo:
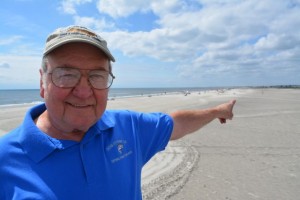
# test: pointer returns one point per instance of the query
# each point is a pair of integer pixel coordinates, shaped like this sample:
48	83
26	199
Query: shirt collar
101	126
35	143
39	145
106	122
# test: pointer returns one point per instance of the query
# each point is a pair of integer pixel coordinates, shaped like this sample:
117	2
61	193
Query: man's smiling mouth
79	105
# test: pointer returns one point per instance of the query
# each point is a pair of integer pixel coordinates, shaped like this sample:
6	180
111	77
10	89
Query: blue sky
174	43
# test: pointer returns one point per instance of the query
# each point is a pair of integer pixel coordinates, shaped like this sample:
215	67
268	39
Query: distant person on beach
71	147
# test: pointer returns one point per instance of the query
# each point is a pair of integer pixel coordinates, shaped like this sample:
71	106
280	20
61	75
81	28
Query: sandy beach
254	156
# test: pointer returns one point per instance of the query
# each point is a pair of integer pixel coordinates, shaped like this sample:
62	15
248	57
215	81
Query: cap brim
72	40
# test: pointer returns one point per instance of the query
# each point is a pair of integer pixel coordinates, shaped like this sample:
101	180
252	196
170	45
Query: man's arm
189	121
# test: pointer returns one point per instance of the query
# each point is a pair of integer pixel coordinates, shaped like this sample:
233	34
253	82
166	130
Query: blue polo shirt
106	164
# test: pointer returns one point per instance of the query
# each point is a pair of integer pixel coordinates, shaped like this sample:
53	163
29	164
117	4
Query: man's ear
42	84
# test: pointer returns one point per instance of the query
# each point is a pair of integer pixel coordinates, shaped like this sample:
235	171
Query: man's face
71	110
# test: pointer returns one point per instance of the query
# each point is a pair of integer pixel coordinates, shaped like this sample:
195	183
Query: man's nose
83	89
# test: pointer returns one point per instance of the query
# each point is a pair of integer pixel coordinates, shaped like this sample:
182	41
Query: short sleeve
154	132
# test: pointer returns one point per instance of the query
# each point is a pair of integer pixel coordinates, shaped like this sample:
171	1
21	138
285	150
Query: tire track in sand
168	171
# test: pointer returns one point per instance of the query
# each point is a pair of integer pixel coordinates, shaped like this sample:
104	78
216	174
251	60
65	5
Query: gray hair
44	64
43	70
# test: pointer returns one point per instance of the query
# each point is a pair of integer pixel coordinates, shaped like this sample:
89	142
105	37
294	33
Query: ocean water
15	97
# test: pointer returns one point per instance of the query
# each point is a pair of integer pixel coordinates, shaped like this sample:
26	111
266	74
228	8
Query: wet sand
255	156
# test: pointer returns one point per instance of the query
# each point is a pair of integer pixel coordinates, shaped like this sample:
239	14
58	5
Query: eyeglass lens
66	77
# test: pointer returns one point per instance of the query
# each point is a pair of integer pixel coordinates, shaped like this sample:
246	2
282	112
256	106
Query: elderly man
71	147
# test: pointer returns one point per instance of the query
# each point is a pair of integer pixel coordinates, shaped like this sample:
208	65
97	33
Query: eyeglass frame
91	83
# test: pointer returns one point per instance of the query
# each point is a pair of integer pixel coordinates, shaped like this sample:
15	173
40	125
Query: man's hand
188	121
225	111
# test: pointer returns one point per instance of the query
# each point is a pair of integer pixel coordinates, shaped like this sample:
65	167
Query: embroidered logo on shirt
118	150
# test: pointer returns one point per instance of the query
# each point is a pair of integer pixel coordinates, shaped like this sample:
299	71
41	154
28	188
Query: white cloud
121	8
202	38
69	6
277	42
241	36
199	38
100	24
162	8
162	44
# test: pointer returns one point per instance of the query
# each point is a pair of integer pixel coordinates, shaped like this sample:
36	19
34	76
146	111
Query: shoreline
12	115
117	93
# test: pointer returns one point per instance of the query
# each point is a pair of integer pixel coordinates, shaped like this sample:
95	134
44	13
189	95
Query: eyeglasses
67	77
